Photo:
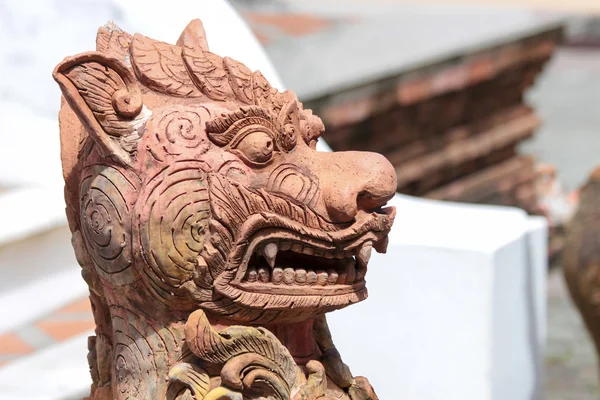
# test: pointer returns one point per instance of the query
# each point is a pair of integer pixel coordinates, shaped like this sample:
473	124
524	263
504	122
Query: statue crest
212	234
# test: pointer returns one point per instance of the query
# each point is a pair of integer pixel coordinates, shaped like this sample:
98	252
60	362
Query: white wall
451	314
38	34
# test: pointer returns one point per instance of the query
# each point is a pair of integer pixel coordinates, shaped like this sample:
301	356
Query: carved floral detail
253	360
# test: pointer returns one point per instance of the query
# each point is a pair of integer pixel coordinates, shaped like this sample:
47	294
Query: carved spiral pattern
291	181
288	137
236	171
141	355
105	216
127	104
173	215
180	129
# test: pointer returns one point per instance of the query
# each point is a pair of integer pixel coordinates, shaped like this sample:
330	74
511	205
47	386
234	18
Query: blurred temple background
488	102
492	102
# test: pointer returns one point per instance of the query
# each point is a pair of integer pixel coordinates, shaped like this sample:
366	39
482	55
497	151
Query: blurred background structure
475	101
490	102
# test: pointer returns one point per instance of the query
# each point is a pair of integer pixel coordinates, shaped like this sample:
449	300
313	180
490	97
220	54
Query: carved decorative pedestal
212	235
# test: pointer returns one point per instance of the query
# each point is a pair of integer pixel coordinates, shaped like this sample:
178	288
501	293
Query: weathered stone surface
213	236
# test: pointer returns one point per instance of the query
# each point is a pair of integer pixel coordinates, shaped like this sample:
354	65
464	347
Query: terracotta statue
581	256
213	236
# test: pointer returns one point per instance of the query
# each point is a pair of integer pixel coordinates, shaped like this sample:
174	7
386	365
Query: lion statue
212	234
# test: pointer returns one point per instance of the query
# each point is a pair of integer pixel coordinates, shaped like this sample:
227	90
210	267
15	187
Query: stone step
38	269
58	372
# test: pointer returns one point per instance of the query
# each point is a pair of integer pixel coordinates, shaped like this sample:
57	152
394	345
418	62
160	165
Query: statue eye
256	147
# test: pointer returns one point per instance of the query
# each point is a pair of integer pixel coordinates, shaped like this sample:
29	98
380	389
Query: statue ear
193	36
106	98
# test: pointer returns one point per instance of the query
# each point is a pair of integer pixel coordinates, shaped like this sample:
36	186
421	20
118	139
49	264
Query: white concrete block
451	312
38	269
27	211
59	372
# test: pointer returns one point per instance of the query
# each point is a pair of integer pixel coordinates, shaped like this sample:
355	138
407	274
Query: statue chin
213	236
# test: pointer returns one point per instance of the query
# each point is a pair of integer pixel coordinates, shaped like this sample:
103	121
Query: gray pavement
567	96
570	360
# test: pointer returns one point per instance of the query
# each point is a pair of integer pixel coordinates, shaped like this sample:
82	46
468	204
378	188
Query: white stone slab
30	210
450	312
31	301
59	372
38	269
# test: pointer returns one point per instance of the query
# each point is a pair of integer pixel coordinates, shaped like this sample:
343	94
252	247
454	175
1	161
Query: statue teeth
364	255
297	247
289	276
301	276
277	275
350	272
251	275
270	253
332	277
353	270
322	278
263	275
308	250
311	277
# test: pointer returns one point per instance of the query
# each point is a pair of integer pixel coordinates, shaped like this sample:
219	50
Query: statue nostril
355	182
365	201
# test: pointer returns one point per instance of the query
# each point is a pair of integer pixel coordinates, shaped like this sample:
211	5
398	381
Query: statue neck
299	340
297	337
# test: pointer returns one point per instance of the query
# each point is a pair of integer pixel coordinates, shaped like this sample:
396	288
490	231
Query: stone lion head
192	183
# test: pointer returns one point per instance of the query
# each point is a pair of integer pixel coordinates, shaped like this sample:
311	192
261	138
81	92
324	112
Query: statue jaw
301	269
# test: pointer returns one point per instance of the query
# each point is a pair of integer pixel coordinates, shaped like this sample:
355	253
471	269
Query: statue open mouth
293	263
305	268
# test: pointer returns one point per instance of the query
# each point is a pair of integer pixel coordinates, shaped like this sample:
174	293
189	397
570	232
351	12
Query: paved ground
570	360
568	98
